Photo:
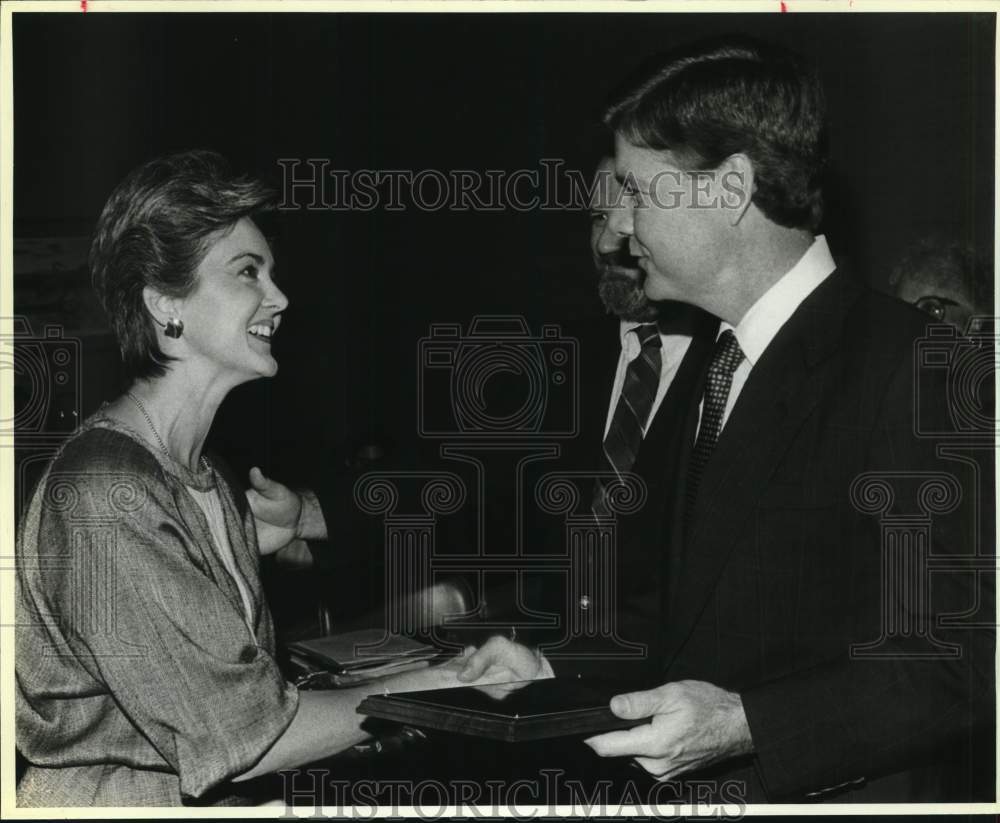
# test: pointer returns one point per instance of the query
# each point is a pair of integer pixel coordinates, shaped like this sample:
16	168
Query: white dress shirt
673	347
764	319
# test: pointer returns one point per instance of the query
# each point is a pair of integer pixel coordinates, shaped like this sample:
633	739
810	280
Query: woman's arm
327	721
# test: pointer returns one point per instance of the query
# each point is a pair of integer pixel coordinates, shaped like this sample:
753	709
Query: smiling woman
234	309
145	659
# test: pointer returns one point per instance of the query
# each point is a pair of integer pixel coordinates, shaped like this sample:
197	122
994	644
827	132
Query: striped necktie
642	379
725	360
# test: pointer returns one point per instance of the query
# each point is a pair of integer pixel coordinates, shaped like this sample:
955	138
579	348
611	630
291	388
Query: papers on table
355	657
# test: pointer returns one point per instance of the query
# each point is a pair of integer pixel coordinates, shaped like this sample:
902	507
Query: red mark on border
784	8
83	6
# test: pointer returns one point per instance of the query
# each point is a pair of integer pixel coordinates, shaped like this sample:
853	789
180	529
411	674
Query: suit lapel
781	392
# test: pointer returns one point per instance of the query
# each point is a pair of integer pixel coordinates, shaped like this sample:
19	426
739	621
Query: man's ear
737	184
161	307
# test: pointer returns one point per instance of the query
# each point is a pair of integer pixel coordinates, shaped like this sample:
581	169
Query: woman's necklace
152	428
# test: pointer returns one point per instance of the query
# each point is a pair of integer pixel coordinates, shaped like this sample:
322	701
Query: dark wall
911	102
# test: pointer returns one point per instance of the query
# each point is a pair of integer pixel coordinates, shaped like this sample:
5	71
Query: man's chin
656	290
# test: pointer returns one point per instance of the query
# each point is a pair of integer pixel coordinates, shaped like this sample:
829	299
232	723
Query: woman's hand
501	666
281	514
498	668
276	511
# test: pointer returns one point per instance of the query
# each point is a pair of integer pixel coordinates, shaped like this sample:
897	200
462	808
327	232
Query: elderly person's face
946	302
234	310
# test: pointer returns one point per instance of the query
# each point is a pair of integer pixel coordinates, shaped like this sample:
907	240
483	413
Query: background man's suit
640	537
779	574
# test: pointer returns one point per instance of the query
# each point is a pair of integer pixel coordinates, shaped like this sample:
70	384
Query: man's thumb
634	705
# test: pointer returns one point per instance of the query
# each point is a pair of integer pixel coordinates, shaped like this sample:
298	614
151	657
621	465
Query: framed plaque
540	709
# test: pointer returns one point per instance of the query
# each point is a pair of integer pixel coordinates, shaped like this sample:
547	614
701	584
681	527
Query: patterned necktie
725	360
642	379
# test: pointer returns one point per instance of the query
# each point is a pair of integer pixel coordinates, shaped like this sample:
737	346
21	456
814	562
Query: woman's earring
174	327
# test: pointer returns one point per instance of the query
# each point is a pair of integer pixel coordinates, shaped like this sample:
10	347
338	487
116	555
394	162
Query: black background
911	102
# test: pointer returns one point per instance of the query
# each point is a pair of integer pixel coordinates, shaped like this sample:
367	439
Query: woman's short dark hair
154	231
729	96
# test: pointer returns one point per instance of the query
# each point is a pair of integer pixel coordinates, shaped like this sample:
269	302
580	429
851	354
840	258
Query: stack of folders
356	657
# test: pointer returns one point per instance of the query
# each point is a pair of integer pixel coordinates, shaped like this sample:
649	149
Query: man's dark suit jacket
781	570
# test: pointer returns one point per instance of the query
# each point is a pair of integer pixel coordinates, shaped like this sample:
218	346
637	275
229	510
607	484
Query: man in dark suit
828	626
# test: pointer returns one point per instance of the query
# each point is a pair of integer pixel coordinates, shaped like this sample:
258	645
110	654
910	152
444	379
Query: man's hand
276	511
502	662
694	724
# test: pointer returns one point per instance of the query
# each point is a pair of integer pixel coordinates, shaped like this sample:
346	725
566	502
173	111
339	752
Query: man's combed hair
732	96
154	231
